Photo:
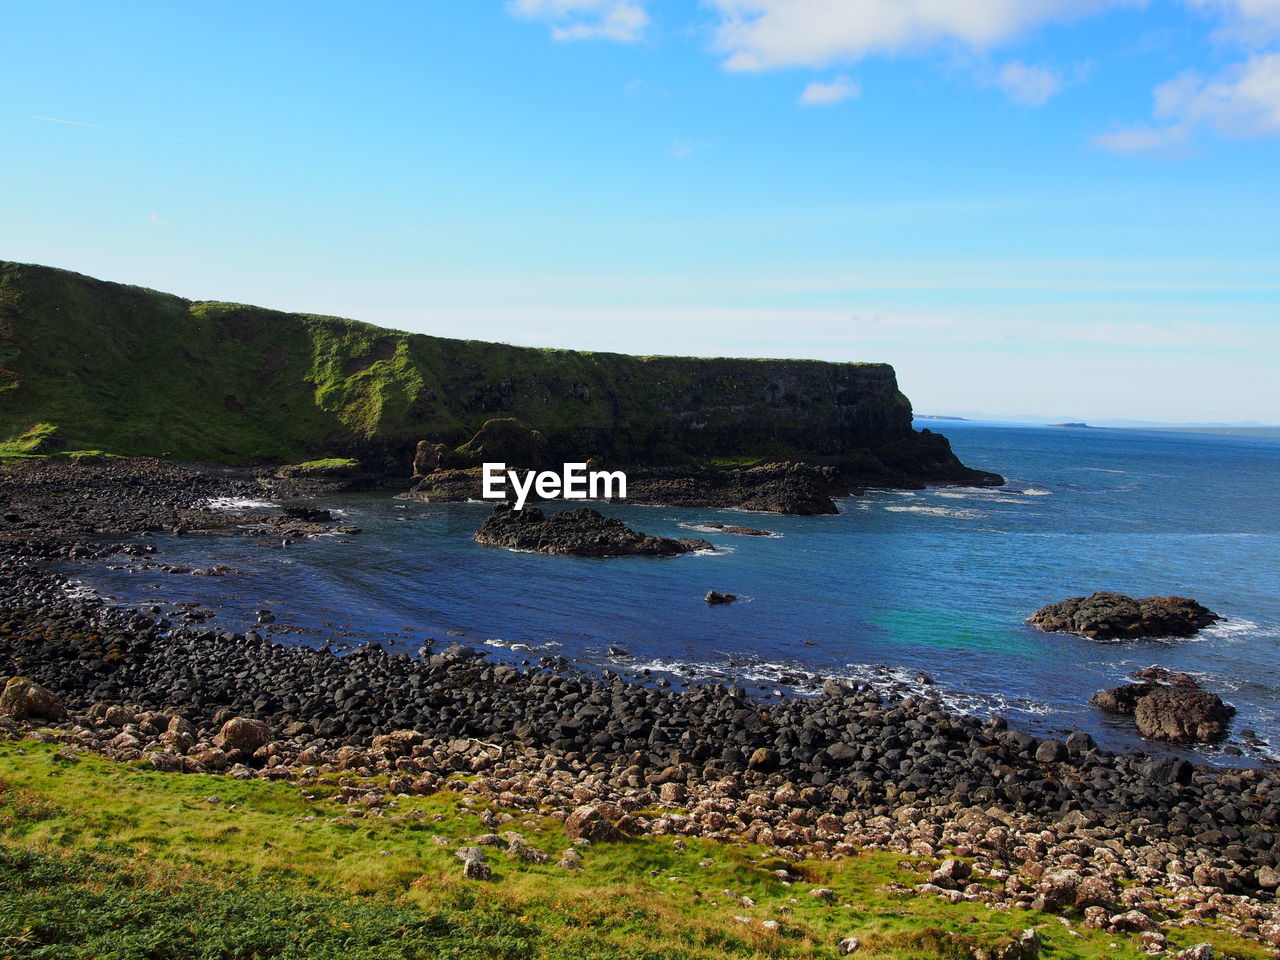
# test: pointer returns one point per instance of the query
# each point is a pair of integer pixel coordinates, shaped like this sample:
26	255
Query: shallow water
933	582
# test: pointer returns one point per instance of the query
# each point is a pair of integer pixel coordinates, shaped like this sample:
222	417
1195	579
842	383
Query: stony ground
1150	852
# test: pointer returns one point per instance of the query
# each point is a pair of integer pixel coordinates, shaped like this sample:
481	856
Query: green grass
137	372
35	442
330	463
104	860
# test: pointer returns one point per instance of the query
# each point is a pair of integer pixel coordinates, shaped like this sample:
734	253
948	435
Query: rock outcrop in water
1113	616
1171	714
578	533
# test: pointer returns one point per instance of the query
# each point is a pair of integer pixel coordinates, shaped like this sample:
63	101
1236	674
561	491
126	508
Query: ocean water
911	590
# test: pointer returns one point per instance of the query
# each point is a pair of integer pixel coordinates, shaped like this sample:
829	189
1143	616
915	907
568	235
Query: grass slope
104	860
132	371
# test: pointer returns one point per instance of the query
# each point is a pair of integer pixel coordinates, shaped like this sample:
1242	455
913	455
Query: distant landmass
92	366
1244	428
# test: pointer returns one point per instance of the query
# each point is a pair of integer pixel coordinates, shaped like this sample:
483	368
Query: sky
1062	207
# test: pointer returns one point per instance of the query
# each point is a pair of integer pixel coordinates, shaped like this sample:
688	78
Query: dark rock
1183	716
1113	616
1052	751
764	759
1123	699
1163	675
581	533
739	531
1172	714
308	514
715	597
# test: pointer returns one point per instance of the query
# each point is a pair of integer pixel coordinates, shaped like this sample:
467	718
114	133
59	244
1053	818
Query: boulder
1175	715
1056	890
1051	751
475	865
428	457
1114	616
1133	921
950	873
764	759
25	699
1123	699
399	743
1171	714
587	823
241	733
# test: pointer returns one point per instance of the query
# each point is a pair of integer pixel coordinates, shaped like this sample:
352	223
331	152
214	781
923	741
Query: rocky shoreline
1002	819
792	488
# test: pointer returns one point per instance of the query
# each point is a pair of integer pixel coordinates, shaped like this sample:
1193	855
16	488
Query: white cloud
1029	85
1247	20
1243	101
623	21
819	94
763	34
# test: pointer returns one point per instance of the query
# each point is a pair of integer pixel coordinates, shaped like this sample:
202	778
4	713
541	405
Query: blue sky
1067	208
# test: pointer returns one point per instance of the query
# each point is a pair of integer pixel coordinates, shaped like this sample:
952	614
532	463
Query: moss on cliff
137	372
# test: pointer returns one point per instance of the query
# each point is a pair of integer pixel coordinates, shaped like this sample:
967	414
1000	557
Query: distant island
1075	426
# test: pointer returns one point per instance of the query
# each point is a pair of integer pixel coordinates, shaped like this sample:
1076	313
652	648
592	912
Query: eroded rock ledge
578	533
1114	616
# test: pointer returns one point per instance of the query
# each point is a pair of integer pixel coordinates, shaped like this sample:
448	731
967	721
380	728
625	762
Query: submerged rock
739	531
1114	616
715	597
580	533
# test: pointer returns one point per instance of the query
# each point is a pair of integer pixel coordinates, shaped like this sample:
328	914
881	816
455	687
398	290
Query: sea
921	592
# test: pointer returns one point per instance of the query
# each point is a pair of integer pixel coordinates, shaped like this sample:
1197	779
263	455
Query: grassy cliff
87	364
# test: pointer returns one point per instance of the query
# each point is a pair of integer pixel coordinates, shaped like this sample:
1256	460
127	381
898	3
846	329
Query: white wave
958	512
707	528
1036	492
513	645
238	503
983	497
1231	629
78	590
713	552
888	681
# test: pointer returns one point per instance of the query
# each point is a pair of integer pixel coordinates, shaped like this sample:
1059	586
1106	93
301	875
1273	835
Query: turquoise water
902	588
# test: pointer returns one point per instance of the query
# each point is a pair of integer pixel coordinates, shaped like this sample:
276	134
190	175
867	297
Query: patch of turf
108	860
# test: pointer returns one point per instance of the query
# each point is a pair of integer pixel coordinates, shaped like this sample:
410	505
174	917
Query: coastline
817	777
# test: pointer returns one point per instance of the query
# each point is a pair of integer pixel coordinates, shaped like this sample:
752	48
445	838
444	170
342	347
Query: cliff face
89	364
